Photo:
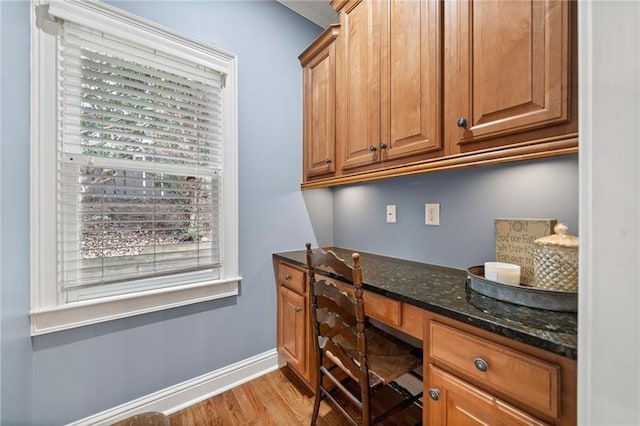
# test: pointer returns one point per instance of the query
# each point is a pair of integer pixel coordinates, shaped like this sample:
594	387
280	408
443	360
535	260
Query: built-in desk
483	358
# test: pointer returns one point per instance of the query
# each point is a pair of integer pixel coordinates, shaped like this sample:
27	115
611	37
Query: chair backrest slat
331	260
344	337
331	324
339	354
328	296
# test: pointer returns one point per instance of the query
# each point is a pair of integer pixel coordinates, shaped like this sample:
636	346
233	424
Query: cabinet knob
383	145
287	277
373	148
481	364
434	394
298	308
328	160
462	122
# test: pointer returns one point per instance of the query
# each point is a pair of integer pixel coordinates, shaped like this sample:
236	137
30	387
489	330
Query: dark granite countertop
444	291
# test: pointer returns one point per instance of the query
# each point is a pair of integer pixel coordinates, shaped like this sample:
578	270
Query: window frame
48	312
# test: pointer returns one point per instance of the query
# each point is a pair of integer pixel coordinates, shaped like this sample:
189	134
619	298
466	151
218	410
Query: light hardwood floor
276	398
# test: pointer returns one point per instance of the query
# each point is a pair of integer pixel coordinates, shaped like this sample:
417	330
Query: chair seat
389	357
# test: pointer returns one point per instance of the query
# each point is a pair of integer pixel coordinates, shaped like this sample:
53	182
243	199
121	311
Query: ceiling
317	11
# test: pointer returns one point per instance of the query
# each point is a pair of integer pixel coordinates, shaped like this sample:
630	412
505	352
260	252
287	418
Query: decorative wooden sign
514	242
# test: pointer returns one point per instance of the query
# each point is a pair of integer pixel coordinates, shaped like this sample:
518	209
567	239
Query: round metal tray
562	301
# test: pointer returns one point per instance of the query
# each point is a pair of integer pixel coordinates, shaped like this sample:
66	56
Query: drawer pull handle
462	122
373	148
481	364
298	308
287	277
434	394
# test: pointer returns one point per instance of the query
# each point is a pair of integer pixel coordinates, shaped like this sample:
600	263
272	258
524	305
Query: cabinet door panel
461	404
319	80
292	335
498	87
319	73
506	67
358	84
410	77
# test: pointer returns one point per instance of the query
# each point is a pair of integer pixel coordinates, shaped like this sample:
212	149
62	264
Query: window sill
79	314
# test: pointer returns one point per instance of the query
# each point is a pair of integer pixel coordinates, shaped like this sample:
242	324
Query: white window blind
139	166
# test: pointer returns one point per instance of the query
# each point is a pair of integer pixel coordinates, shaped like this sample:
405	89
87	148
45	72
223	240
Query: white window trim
47	315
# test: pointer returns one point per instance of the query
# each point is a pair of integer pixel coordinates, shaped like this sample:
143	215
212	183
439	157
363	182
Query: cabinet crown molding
320	43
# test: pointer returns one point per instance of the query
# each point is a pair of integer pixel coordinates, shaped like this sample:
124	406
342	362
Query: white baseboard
182	395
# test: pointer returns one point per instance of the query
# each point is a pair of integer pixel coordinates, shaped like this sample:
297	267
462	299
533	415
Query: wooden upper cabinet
507	71
410	78
358	84
388	80
318	67
427	85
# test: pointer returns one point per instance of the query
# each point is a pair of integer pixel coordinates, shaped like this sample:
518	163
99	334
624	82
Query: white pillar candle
505	273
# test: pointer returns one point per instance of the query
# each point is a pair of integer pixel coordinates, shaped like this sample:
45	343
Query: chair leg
318	399
316	408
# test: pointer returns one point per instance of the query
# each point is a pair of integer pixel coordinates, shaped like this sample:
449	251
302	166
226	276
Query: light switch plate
391	213
432	214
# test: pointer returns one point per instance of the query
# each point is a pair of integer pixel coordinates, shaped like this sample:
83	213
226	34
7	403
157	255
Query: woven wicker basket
555	261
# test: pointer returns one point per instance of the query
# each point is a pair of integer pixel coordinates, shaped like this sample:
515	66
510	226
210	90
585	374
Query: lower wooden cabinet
292	326
452	401
537	381
475	377
294	341
471	376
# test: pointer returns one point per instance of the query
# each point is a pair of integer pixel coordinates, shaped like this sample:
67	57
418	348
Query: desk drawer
382	308
376	306
292	278
522	377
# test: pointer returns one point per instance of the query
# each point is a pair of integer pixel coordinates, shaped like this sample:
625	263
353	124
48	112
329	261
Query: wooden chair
349	349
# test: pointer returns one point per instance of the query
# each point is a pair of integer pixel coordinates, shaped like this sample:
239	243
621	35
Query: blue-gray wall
17	354
64	376
469	200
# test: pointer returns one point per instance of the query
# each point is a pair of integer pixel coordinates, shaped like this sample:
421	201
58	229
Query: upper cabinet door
319	75
506	68
358	84
410	77
389	80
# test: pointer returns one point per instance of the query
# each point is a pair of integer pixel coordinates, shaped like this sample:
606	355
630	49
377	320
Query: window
134	205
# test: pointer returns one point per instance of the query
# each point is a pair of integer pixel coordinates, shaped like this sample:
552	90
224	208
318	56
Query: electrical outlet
432	214
391	213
